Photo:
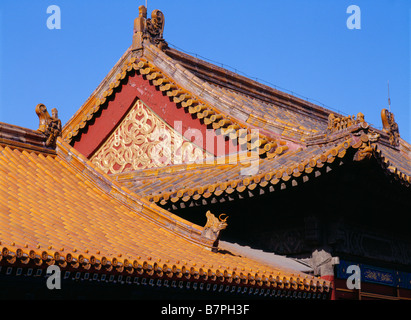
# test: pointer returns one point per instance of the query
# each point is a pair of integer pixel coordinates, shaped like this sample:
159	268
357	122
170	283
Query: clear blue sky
301	45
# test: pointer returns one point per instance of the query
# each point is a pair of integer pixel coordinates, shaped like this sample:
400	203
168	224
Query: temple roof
184	183
296	141
58	208
267	108
290	131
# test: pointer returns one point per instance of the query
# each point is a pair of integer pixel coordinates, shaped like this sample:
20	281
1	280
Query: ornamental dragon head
214	226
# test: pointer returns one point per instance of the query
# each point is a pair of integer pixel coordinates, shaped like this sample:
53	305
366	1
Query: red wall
125	96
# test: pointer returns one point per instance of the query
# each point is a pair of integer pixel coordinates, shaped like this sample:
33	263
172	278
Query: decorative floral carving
143	141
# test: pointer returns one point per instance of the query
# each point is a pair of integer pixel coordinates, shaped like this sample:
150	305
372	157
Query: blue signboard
372	274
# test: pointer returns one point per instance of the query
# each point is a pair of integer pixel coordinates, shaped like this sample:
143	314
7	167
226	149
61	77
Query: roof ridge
261	255
38	237
24	138
173	223
228	121
249	137
87	110
264	91
175	70
213	96
167	170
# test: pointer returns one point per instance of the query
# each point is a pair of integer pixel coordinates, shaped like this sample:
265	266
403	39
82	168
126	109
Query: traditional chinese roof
252	105
294	138
83	206
197	99
56	207
184	184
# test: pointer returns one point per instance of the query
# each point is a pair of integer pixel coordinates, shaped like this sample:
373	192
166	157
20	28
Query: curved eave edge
304	171
15	257
391	168
80	116
263	180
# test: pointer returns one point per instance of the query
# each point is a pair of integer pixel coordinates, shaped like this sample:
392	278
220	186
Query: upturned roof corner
149	30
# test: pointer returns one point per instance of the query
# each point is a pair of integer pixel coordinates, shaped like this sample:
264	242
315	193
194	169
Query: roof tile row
55	211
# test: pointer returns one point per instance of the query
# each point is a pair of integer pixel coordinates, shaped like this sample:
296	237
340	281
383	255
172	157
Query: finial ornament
149	29
390	127
50	126
139	28
44	117
213	227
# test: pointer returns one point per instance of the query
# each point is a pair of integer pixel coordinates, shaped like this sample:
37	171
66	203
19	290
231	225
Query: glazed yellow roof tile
48	204
205	181
175	185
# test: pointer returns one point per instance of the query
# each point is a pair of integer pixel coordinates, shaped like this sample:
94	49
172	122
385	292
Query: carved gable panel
142	141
